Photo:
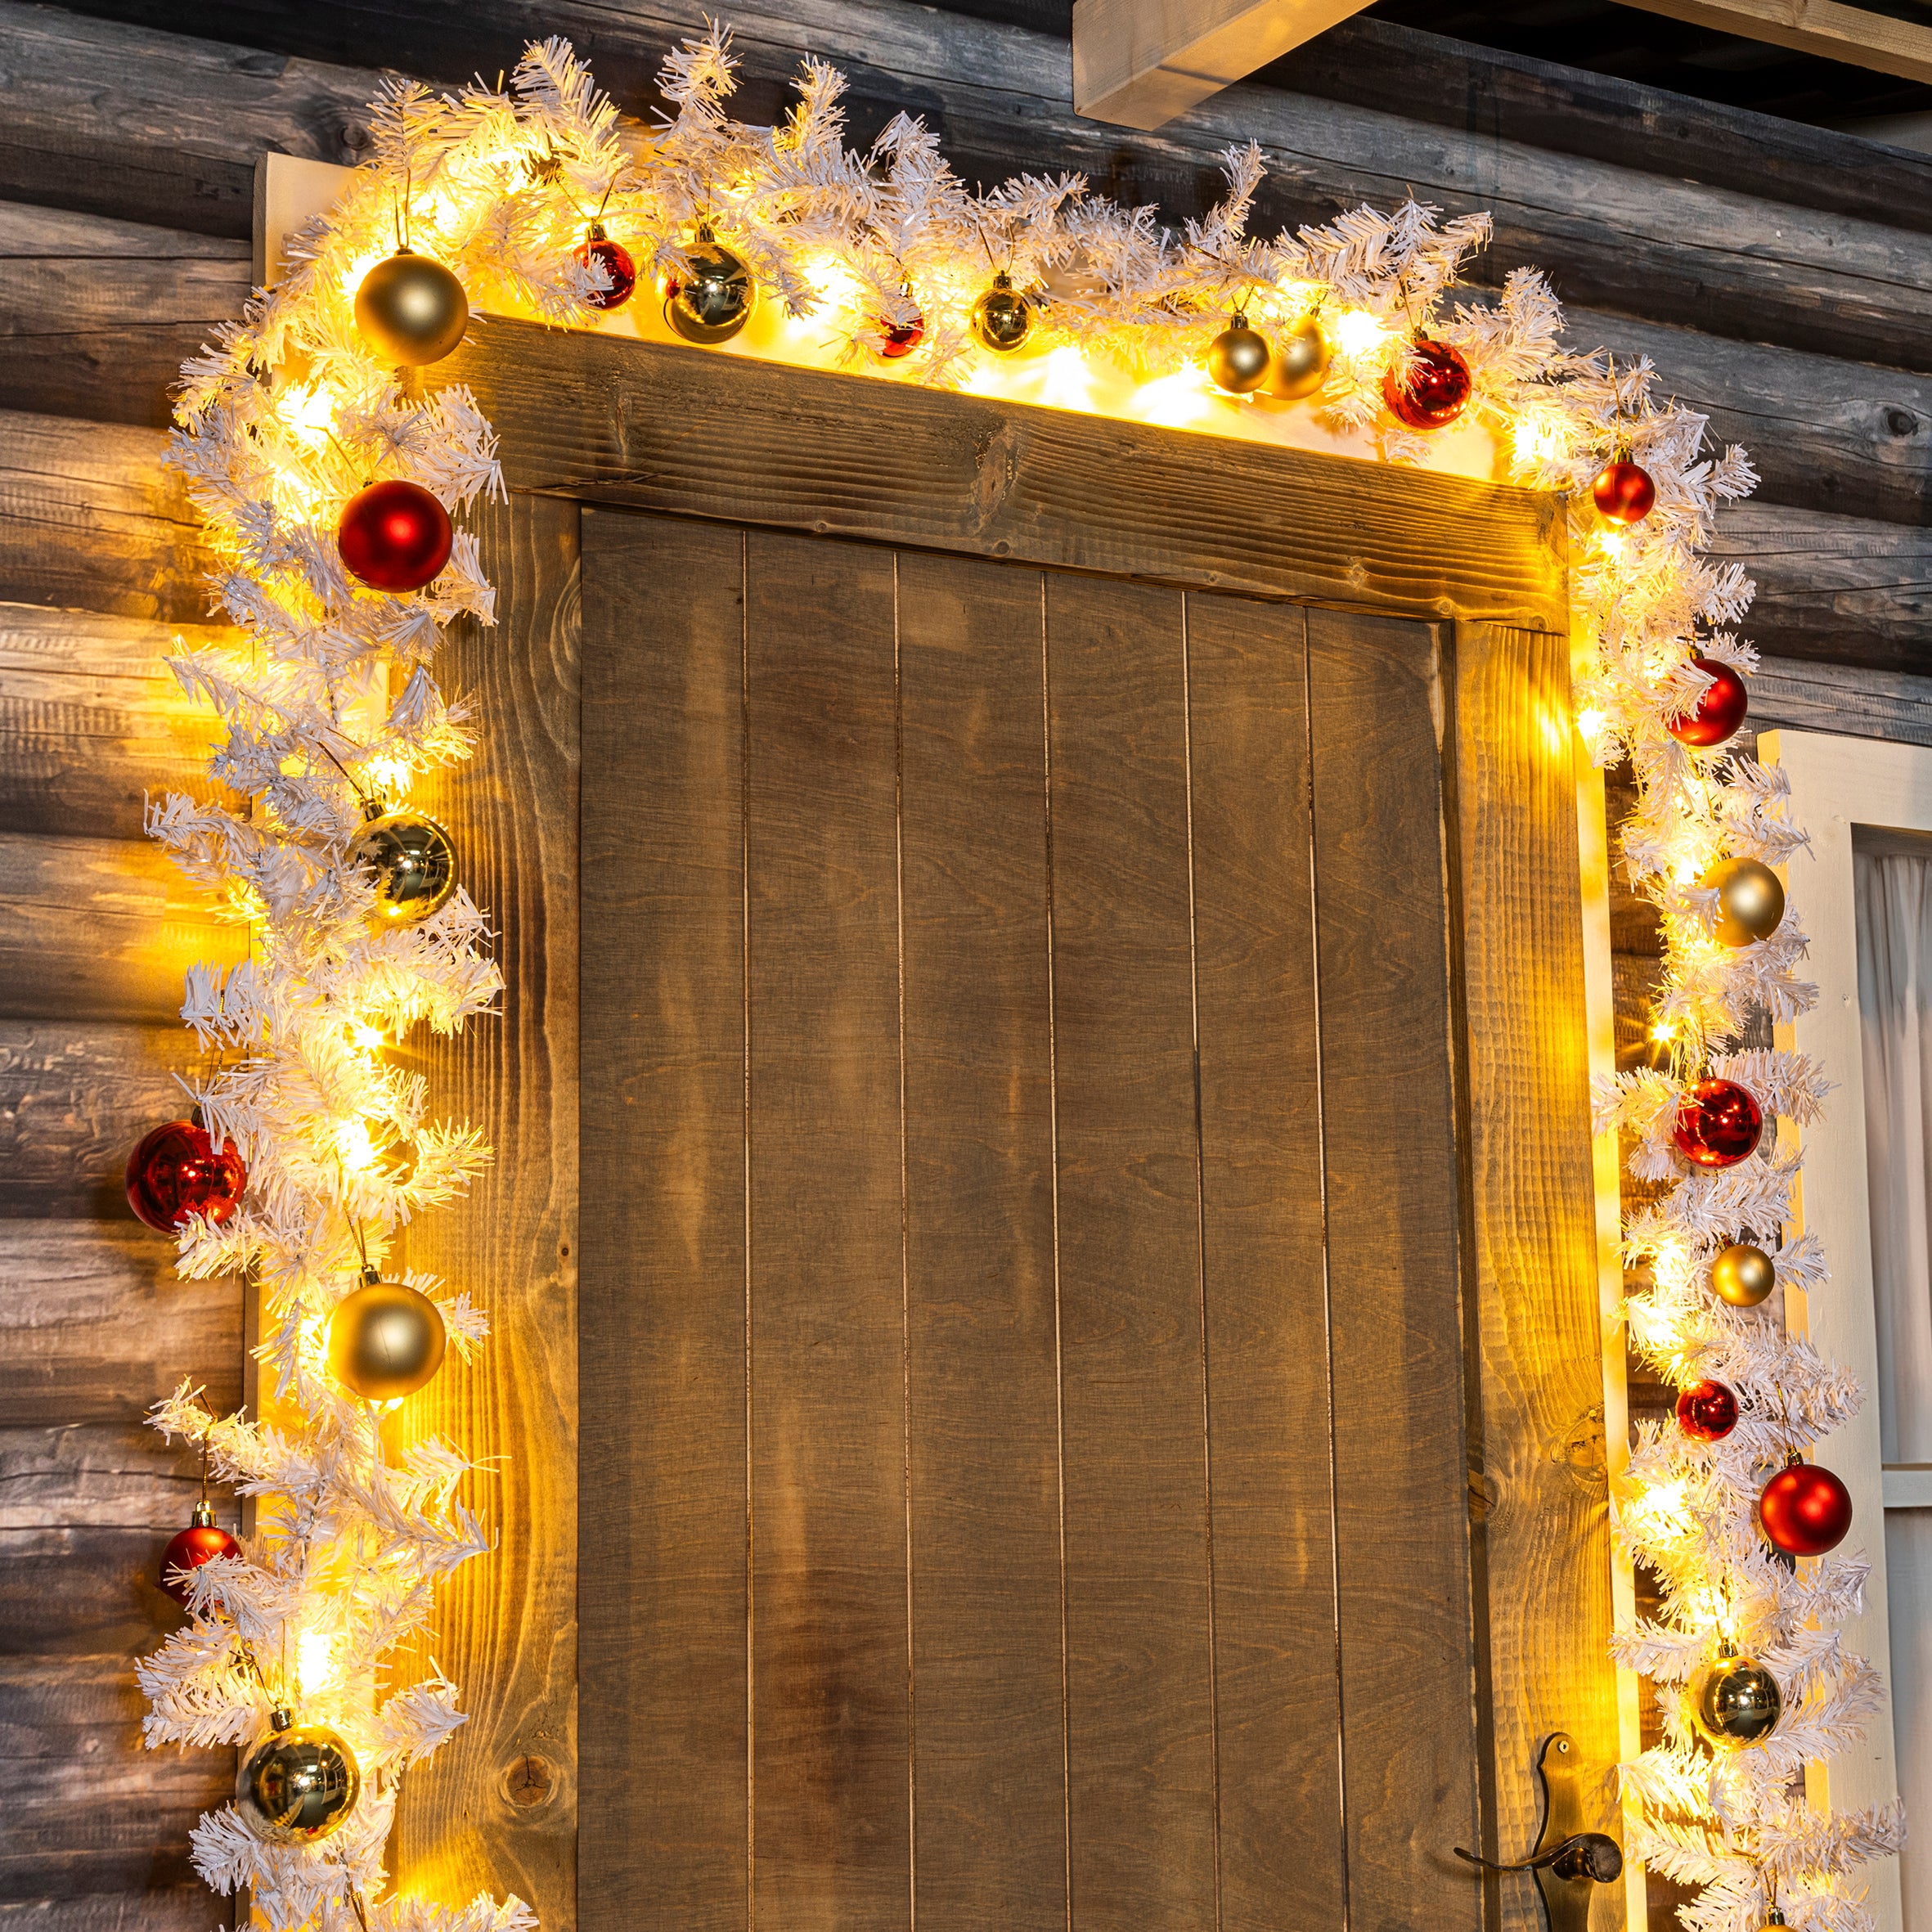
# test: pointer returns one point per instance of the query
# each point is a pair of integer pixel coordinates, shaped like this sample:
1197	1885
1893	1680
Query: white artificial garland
279	425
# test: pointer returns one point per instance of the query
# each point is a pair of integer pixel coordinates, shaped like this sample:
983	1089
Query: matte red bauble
1427	387
1707	1411
175	1172
394	535
1805	1510
900	339
1624	492
190	1549
1718	1124
620	271
1719	712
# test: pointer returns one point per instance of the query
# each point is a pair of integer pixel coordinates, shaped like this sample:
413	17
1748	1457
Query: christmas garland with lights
328	475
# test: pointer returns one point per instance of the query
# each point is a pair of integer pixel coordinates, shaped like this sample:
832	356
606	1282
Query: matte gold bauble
711	303
1238	358
409	860
1750	901
412	310
1003	318
300	1783
385	1340
1743	1275
1300	361
1738	1702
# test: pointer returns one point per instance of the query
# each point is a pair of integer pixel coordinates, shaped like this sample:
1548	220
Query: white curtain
1894	902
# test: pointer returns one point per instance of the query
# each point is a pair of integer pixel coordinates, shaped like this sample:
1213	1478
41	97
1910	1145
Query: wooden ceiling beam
1852	34
1139	63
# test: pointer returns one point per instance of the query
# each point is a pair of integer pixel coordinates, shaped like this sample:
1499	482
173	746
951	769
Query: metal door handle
1567	1863
1586	1854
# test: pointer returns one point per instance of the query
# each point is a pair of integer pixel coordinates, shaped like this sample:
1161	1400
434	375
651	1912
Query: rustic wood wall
1778	274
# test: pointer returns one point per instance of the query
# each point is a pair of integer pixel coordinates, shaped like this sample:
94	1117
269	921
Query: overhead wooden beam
1139	63
1850	33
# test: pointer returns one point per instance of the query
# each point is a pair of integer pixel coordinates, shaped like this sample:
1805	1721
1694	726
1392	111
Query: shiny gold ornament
300	1783
412	310
1750	901
385	1340
1300	364
711	303
409	860
1739	1702
1238	358
1003	318
1743	1275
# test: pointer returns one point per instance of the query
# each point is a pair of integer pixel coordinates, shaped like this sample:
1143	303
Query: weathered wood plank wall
1778	274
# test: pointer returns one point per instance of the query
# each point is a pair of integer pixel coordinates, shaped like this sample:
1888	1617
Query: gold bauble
1743	1275
385	1340
299	1782
714	300
1739	1702
1300	361
1003	318
409	860
1238	358
1750	901
412	310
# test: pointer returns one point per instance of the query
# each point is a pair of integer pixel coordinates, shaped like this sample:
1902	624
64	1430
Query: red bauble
1427	387
175	1172
394	535
614	259
1707	1411
1718	1124
1719	712
190	1549
1805	1510
900	339
1624	492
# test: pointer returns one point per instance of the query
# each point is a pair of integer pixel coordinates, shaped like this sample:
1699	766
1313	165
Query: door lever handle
1568	1862
1584	1854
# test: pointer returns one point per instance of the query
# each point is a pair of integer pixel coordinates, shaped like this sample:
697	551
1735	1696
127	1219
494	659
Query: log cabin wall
1778	274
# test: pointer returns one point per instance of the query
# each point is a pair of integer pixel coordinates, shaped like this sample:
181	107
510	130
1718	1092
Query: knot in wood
529	1781
1582	1452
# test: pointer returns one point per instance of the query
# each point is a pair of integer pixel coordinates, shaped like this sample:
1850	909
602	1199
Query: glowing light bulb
1589	725
353	1147
1357	334
315	1662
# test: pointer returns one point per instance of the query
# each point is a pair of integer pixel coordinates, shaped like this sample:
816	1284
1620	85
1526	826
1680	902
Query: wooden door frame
586	419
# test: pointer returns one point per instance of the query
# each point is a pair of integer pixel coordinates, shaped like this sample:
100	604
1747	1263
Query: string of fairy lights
334	480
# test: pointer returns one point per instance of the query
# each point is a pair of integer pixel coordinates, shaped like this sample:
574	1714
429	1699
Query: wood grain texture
1140	1639
1545	1492
1280	1731
89	520
1404	1574
832	1737
97	314
75	1096
664	428
91	722
506	1626
96	1326
1895	705
665	1502
981	1354
101	929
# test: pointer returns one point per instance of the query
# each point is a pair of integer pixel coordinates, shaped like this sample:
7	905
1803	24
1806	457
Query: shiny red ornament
620	271
1719	712
1805	1510
190	1549
394	535
900	339
175	1172
1718	1124
1428	387
1707	1411
1624	492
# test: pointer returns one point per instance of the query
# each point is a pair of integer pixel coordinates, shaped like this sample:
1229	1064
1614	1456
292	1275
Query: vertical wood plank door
1029	1352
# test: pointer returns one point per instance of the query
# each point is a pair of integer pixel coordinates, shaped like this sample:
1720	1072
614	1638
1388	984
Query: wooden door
1026	1441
